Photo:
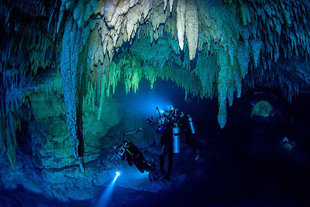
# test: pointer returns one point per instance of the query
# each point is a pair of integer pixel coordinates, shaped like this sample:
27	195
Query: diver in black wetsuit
189	133
167	148
130	152
169	123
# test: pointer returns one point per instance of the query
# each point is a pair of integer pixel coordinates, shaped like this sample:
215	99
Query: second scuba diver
169	126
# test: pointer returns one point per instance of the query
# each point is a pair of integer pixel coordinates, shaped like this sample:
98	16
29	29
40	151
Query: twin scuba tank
176	134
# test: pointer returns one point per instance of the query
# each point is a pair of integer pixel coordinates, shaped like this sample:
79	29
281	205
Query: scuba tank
191	124
176	138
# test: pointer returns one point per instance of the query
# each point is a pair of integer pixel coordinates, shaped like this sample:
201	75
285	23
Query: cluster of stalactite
235	35
215	43
131	69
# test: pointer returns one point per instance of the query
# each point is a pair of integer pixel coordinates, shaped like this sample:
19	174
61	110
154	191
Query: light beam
105	197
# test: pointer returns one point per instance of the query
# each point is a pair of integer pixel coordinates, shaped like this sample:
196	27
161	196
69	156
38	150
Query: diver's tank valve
176	138
191	124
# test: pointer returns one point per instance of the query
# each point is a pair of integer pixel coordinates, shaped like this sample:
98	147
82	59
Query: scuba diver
129	152
166	130
186	124
170	124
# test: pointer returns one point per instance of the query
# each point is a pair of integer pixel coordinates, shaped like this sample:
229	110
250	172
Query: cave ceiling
84	48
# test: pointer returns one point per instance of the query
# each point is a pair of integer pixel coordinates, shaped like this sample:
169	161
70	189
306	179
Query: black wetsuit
167	147
134	156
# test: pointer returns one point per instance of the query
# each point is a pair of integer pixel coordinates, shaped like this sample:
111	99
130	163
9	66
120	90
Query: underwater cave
154	103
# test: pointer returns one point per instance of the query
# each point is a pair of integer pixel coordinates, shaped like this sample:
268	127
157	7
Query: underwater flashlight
118	173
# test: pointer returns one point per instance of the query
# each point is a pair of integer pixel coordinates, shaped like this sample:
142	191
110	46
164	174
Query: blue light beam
105	197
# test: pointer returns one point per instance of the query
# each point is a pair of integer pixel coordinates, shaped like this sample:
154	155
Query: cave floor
244	167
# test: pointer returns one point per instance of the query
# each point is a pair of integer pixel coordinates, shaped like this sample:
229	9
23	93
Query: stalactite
102	95
181	11
171	5
206	70
191	25
165	4
222	85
